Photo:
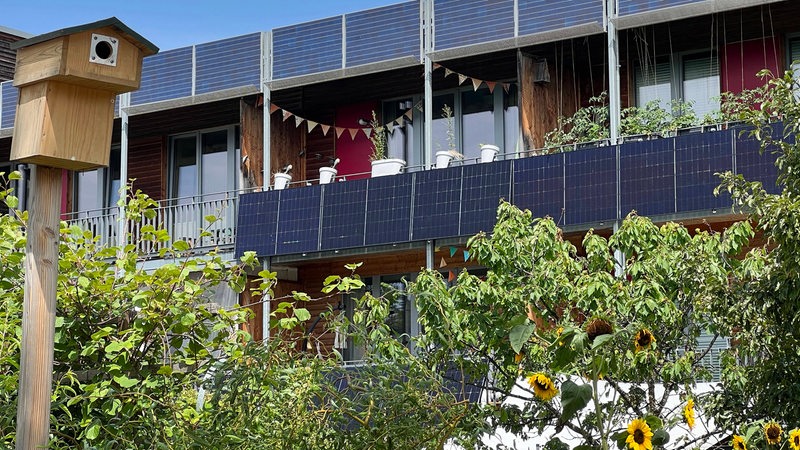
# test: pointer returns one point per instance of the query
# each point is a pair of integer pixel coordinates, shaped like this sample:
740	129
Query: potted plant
283	178
444	157
488	152
588	127
327	174
381	165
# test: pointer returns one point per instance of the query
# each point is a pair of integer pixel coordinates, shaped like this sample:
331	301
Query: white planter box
327	174
443	159
383	167
488	152
282	180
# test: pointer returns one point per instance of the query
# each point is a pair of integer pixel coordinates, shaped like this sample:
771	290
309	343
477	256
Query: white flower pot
443	159
282	180
327	174
383	167
488	152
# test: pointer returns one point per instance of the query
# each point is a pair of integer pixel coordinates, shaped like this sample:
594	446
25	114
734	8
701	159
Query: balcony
668	179
183	219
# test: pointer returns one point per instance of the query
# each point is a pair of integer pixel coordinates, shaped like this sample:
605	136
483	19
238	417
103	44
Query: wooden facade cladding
147	164
320	151
286	146
8	57
252	141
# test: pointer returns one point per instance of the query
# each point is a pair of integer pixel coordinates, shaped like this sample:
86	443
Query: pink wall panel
354	154
742	60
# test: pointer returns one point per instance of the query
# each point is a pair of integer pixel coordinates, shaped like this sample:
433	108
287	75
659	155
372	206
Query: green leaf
302	314
126	382
653	422
660	437
620	438
93	431
602	339
180	246
519	335
573	399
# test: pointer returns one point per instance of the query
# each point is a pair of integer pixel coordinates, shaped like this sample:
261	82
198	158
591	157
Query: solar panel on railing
383	34
466	22
483	187
756	166
536	16
9	107
165	76
591	185
698	158
307	48
257	223
388	209
539	185
228	63
343	213
647	177
437	201
627	7
298	220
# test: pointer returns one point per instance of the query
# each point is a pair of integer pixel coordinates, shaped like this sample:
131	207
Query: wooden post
39	309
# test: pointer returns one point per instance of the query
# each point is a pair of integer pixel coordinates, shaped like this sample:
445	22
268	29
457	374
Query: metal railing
203	222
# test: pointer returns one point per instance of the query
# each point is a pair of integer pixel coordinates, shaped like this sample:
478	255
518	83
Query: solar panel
388	209
627	7
307	48
437	202
590	185
699	157
228	63
10	94
343	214
465	22
165	76
257	223
539	185
647	177
537	16
383	34
483	187
755	166
298	220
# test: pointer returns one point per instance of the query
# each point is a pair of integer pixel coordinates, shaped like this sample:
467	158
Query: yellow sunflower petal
640	437
794	439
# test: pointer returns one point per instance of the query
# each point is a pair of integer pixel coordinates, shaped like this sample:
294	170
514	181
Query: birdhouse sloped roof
147	47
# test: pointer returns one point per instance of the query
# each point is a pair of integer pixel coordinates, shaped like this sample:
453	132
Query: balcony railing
184	219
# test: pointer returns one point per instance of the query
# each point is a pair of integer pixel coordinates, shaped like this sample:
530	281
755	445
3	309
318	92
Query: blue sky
171	24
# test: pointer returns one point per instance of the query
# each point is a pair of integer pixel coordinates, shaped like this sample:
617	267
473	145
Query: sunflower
639	435
738	443
643	339
542	386
688	413
794	439
598	327
773	432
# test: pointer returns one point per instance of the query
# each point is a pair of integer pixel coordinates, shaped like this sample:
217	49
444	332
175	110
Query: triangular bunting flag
461	79
451	276
443	263
325	129
390	127
506	87
353	133
286	115
452	251
409	114
448	72
466	255
311	125
367	132
273	107
491	85
260	101
476	83
436	66
297	121
400	121
339	131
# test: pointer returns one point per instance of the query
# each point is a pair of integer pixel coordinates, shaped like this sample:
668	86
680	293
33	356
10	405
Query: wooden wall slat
147	163
252	142
286	143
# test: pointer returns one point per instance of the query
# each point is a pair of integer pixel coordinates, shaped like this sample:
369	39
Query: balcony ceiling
187	118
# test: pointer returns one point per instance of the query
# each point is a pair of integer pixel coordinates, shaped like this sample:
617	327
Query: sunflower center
541	385
644	340
773	433
638	436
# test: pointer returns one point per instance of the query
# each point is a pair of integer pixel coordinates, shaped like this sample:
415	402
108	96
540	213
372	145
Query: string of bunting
389	126
353	132
476	82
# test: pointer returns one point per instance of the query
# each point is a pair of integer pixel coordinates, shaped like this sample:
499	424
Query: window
204	164
401	319
98	189
695	80
402	140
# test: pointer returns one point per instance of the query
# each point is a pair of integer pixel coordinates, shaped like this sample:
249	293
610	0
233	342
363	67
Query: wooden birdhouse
68	81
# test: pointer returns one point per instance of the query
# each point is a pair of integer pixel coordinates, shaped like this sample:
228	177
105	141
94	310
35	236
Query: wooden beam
39	309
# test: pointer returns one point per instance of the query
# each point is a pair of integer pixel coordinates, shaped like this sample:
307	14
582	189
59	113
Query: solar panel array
537	16
305	48
656	177
165	76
